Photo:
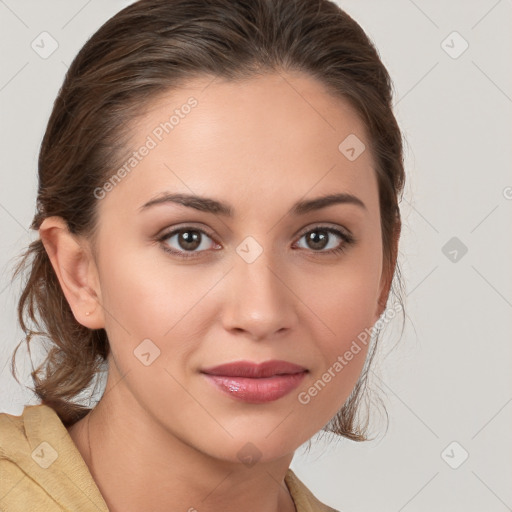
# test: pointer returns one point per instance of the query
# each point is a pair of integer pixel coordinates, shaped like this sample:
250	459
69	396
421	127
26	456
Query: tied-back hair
150	48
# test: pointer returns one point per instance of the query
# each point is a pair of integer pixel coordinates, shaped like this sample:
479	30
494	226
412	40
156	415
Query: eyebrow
210	205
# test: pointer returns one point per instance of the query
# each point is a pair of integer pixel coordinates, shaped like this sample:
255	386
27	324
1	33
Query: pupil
189	241
319	241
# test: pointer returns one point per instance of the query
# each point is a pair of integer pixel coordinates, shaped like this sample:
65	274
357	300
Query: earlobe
74	266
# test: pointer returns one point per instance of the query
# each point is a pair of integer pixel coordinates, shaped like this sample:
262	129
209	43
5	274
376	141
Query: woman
219	226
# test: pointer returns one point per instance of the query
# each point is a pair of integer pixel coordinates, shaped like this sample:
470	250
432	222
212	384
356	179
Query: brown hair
154	46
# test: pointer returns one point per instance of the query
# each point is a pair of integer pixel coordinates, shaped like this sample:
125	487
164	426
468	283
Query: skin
161	433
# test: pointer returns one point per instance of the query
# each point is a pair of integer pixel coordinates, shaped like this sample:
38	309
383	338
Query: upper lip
254	370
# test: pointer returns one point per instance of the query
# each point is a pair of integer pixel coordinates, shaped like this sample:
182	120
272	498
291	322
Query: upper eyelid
326	226
173	231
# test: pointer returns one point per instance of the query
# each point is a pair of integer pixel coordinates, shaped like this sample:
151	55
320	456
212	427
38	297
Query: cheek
342	349
142	290
343	299
344	302
148	298
344	345
136	297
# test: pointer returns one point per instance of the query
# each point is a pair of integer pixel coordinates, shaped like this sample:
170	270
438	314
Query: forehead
270	137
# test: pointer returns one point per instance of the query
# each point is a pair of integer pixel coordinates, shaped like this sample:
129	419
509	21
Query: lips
255	370
255	383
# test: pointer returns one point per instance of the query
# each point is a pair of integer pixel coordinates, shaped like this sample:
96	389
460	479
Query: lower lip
256	391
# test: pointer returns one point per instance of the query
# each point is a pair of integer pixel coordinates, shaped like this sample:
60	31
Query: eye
186	242
189	241
321	237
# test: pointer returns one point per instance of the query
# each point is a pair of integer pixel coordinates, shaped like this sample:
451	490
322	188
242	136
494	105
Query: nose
259	300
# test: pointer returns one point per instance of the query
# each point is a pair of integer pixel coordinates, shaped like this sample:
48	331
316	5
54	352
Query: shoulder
40	465
304	499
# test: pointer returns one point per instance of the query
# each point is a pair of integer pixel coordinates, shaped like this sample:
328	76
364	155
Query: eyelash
347	239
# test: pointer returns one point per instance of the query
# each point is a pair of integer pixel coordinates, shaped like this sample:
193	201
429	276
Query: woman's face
263	283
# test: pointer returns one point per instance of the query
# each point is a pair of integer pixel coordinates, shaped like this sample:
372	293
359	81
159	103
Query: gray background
448	379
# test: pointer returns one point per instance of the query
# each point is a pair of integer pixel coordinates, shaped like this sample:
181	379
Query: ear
74	265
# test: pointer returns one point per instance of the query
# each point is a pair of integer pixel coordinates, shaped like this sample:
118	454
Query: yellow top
41	469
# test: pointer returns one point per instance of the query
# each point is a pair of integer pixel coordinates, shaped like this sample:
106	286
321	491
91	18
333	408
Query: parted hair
147	49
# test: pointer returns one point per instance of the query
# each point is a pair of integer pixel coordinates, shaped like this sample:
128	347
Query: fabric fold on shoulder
42	466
